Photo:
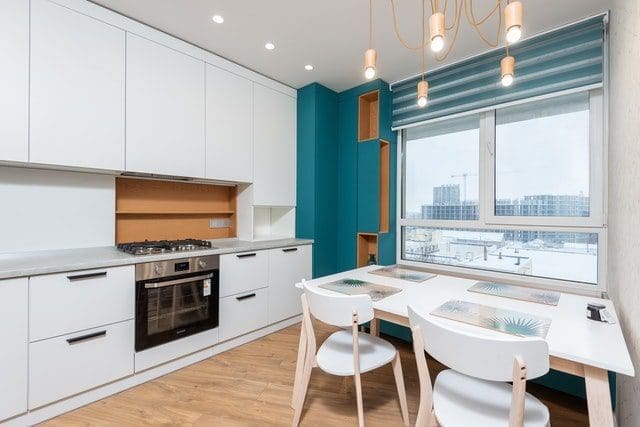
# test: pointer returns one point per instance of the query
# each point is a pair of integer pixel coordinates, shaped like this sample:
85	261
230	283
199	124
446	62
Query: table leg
374	326
598	397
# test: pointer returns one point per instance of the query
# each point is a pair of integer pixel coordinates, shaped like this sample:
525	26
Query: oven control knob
202	264
158	269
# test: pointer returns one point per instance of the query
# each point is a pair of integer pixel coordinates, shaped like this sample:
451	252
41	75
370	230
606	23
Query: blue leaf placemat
396	272
359	287
517	292
497	319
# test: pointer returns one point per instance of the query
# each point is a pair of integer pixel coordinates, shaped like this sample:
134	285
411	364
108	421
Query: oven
175	299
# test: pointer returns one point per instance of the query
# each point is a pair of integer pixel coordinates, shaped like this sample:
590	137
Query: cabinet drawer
243	313
243	272
63	366
287	266
79	300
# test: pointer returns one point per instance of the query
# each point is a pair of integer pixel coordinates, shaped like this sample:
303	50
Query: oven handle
176	281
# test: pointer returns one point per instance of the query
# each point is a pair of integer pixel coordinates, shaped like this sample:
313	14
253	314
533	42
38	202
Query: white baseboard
53	410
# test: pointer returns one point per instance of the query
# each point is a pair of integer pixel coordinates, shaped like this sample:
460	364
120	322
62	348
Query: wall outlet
219	223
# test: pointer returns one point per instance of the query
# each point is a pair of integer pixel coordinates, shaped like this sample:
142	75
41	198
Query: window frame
594	223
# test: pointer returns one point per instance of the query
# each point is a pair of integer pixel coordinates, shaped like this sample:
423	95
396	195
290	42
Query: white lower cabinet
63	366
243	313
287	266
73	301
13	350
243	272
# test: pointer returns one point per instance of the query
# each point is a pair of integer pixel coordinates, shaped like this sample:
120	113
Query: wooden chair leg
358	384
301	392
302	347
402	396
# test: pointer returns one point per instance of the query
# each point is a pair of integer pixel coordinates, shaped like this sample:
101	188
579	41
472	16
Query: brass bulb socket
513	15
507	66
436	25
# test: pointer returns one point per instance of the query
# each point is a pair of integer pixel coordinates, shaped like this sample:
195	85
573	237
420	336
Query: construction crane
464	183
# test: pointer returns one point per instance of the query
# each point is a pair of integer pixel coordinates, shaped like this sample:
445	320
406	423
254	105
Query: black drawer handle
290	250
87	276
246	255
244	297
87	337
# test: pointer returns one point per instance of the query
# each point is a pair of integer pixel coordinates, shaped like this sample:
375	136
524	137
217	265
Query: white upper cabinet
274	148
229	126
14	80
77	89
165	110
14	316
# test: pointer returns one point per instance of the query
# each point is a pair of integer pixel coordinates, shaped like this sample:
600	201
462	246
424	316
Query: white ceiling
330	34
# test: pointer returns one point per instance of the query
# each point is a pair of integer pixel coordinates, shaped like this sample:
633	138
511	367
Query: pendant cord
370	23
423	36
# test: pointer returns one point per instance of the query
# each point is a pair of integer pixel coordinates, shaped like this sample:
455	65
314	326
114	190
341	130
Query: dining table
577	345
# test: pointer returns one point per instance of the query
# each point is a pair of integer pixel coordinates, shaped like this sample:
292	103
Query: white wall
624	193
41	209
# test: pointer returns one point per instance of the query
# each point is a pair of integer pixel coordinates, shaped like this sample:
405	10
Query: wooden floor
251	386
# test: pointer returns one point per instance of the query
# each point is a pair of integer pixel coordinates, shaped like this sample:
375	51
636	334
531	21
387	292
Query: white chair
475	392
344	353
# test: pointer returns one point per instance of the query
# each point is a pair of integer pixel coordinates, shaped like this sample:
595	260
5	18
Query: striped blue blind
567	58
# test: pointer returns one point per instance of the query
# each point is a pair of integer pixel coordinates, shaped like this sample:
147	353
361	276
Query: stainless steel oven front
175	299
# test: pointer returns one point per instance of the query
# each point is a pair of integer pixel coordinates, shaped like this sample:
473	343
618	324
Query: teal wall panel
317	181
368	186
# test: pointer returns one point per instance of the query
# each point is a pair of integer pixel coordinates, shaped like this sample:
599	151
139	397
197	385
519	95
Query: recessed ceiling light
217	19
269	46
308	67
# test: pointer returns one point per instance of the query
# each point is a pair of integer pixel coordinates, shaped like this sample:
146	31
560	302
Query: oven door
175	307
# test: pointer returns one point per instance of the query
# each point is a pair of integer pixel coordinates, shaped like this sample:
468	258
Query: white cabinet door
14	80
229	126
242	272
77	89
243	313
14	316
165	110
287	266
274	148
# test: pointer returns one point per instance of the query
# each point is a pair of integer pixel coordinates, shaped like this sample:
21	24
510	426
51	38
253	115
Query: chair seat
335	355
460	400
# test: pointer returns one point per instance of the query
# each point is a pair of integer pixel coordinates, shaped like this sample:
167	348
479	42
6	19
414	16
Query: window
516	191
449	152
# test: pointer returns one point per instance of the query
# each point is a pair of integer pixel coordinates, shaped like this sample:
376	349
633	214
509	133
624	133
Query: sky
548	155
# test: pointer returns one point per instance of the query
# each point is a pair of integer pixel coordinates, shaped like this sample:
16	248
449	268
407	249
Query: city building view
560	255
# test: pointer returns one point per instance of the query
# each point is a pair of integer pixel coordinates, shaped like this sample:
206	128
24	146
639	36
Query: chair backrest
335	309
486	357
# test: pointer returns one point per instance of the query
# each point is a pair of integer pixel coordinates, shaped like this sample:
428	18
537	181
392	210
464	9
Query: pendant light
436	31
423	86
370	56
507	66
513	21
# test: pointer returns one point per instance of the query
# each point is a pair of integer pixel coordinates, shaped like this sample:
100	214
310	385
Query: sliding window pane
542	158
441	170
562	255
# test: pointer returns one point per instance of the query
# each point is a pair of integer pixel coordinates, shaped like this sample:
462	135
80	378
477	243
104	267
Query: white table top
571	336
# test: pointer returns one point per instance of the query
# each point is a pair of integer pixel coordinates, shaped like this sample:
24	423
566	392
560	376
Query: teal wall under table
337	191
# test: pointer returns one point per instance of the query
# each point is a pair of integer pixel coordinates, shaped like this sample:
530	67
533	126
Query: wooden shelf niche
368	106
383	187
156	210
367	245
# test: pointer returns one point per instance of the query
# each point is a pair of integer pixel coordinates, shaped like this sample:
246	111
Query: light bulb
369	73
218	19
269	46
514	33
422	101
437	43
507	80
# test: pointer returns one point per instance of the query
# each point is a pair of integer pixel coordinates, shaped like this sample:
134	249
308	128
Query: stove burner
150	247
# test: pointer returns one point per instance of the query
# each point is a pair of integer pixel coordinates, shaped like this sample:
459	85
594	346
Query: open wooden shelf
156	210
368	106
367	245
383	187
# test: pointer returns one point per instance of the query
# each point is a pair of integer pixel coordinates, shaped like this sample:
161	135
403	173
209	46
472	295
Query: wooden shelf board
175	213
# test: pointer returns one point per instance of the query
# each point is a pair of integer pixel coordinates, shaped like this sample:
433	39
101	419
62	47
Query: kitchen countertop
22	264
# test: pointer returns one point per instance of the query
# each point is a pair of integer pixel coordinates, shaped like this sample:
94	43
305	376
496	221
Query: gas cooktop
149	247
